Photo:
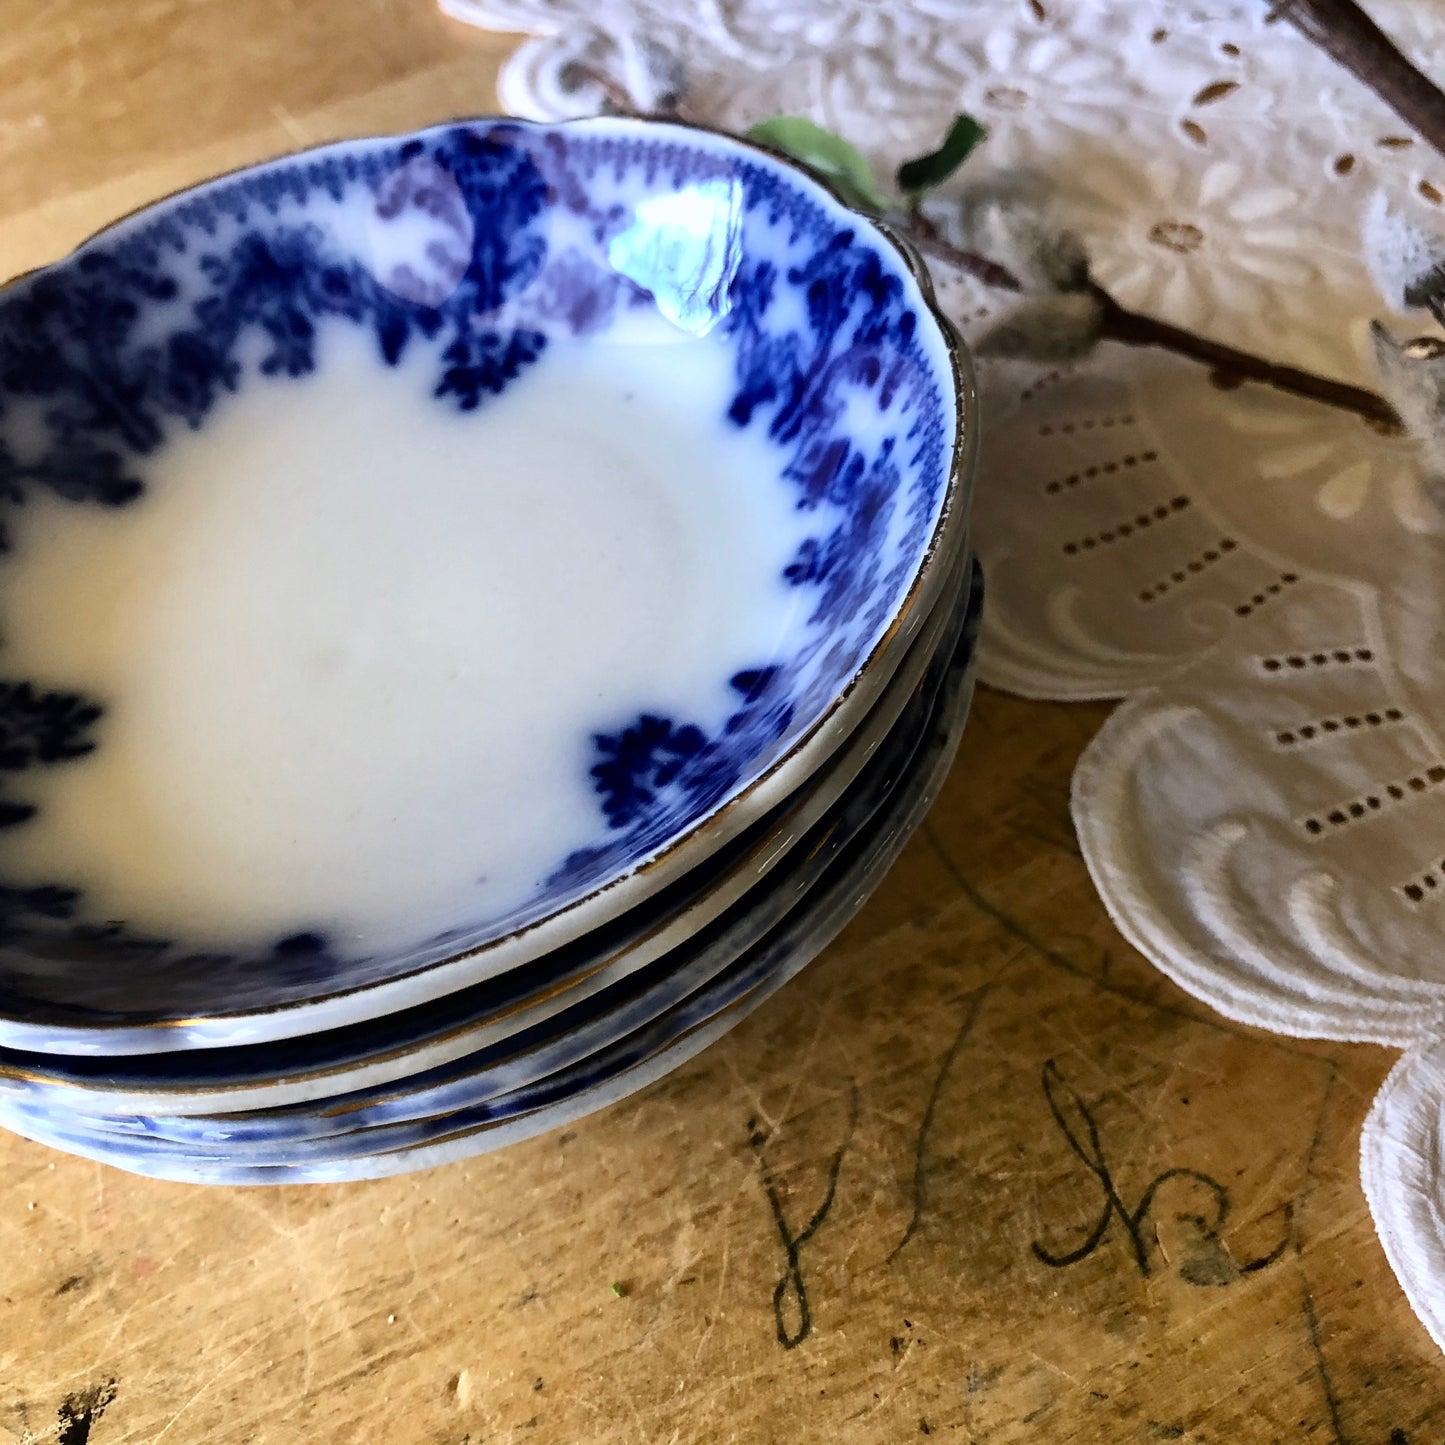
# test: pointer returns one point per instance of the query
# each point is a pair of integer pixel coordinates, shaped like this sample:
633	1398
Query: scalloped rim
784	775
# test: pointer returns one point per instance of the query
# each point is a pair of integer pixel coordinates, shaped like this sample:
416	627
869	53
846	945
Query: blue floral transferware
615	1071
581	1031
340	495
667	931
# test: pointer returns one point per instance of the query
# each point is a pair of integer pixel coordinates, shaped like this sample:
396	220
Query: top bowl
430	546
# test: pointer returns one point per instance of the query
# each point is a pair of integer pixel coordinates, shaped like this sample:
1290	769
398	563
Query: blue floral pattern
578	1052
83	341
104	356
859	336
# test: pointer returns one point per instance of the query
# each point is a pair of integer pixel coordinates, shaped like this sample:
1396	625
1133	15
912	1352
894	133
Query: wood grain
980	1173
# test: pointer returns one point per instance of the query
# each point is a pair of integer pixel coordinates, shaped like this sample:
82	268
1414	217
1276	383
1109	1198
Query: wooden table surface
980	1173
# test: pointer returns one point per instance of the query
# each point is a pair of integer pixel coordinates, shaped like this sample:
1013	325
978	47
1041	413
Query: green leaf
925	173
828	155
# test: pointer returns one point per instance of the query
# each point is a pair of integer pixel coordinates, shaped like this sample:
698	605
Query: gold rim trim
947	532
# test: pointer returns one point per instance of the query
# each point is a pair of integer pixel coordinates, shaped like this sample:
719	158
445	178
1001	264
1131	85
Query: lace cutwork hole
1087	474
1299	661
1006	97
1331	726
1088	423
1180	236
1120	530
1040	383
1423	884
1266	594
1365	804
1191	569
1215	91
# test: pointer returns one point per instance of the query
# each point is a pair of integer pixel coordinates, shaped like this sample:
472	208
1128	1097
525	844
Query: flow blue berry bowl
501	1096
420	551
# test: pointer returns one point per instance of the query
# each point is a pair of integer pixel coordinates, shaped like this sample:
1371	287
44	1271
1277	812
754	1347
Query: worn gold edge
945	532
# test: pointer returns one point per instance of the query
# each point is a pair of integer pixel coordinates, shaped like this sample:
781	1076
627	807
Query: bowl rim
28	1087
51	1028
469	1141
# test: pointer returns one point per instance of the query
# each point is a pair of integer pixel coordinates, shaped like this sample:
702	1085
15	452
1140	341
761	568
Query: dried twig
1350	38
1229	364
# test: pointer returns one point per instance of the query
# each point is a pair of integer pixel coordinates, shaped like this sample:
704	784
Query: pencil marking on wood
1311	1314
1210	1264
920	1144
791	1282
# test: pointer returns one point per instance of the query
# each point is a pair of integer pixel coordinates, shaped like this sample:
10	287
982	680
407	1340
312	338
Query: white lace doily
1261	577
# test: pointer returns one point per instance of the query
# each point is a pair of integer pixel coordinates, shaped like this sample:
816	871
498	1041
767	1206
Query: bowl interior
408	539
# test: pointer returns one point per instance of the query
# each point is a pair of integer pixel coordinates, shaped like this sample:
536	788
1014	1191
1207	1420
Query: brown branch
925	236
1132	328
1351	39
1229	363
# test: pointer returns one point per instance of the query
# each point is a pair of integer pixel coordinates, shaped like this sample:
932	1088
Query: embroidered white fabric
1260	577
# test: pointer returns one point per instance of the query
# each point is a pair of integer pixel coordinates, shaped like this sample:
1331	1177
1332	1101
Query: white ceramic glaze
435	547
592	1085
349	639
659	937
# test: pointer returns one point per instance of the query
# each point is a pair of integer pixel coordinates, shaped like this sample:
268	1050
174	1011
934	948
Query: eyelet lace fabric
1258	577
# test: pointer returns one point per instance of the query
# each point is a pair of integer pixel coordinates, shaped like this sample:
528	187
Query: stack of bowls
480	610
